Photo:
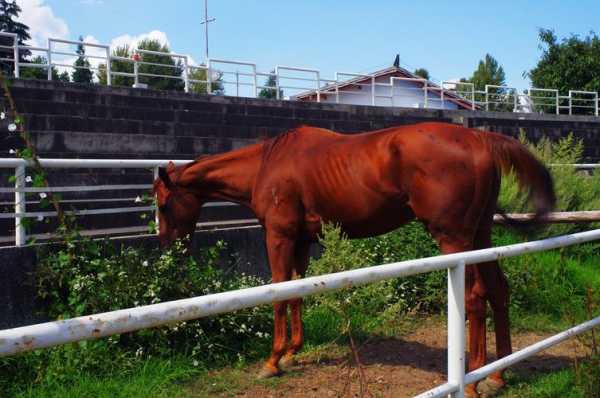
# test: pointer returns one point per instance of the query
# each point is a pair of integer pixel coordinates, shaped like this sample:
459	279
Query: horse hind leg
497	294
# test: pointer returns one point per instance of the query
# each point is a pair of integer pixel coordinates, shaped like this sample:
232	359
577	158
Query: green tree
422	72
82	72
200	88
150	64
270	93
488	71
9	12
569	64
28	72
118	66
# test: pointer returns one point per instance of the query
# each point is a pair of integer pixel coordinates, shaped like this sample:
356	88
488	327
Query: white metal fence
239	78
21	189
18	340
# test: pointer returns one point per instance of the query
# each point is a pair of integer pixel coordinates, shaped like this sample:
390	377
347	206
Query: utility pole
205	23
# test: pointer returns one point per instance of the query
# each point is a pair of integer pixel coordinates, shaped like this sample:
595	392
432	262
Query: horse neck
229	176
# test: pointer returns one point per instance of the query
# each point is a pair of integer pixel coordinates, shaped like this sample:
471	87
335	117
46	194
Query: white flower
196	363
145	263
138	199
40	217
28	179
12	151
43	195
2	115
12	127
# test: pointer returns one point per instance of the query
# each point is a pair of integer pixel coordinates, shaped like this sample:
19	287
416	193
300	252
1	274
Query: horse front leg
280	250
301	259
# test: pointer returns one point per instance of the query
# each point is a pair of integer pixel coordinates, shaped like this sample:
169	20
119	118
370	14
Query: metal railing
22	339
299	83
21	190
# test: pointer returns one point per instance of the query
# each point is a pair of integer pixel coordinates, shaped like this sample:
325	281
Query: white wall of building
404	93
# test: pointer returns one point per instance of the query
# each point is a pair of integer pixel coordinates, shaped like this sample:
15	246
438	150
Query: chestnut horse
444	175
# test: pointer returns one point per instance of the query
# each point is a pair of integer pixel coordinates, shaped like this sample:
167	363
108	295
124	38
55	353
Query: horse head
178	205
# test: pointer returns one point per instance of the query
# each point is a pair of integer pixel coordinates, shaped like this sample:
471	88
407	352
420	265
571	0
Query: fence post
136	76
20	197
155	175
456	328
186	79
318	87
49	59
254	81
473	96
596	104
373	90
487	96
208	77
277	96
557	103
425	96
108	68
16	56
570	103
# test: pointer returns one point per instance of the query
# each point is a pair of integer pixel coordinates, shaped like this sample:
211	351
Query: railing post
155	175
49	59
373	90
208	77
473	96
254	82
487	101
108	68
186	79
456	328
20	197
557	103
318	88
425	96
16	56
277	96
596	104
136	76
570	103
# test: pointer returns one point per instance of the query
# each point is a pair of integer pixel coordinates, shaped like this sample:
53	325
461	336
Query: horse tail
509	155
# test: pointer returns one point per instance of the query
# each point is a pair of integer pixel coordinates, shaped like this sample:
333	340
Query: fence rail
295	81
18	340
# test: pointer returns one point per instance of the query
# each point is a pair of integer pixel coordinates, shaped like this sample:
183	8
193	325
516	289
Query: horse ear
164	176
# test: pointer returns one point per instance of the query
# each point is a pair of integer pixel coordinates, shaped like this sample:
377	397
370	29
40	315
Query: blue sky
448	38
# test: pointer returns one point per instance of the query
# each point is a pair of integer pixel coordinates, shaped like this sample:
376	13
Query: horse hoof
267	372
288	361
489	387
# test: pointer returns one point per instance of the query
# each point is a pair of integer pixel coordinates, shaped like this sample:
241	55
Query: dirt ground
397	367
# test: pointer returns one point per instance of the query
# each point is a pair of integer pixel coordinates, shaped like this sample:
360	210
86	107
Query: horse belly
361	223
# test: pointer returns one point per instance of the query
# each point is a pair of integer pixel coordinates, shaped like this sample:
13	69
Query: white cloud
42	22
132	41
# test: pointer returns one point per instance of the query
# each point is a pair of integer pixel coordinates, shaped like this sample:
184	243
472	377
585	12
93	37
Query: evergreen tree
9	12
270	93
488	71
171	67
200	88
82	72
42	73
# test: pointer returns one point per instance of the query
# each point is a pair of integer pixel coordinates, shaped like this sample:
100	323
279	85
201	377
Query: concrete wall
77	121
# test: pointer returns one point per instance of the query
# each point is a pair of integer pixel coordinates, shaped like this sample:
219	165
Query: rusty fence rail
27	338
